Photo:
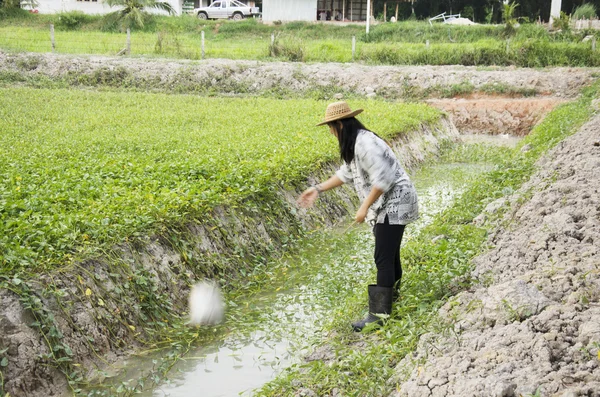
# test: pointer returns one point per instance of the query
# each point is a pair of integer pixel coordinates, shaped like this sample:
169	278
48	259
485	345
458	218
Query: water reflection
234	368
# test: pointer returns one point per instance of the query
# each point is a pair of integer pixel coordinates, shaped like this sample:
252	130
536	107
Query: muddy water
274	329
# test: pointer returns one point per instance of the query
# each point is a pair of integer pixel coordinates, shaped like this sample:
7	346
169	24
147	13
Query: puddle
273	330
230	368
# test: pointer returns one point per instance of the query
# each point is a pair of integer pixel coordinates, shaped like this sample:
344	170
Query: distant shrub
585	11
71	20
289	49
508	16
531	53
13	12
563	22
29	63
244	28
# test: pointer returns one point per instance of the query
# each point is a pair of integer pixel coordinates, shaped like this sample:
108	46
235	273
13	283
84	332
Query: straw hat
337	111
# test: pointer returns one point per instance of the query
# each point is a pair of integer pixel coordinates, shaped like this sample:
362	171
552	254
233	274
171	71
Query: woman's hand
361	214
308	197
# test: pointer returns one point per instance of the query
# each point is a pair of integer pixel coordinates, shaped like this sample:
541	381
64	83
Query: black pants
387	253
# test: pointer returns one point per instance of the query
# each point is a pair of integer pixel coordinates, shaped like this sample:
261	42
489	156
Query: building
272	10
314	10
90	6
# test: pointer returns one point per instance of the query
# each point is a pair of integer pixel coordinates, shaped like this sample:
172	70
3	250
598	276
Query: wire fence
195	46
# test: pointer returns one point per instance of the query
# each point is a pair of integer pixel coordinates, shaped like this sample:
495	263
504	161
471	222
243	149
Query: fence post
202	43
427	44
507	45
353	47
272	48
52	38
594	43
128	43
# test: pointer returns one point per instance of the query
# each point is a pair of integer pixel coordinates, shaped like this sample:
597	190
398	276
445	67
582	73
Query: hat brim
340	117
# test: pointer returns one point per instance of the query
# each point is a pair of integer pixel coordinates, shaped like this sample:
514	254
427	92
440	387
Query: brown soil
532	327
253	77
494	115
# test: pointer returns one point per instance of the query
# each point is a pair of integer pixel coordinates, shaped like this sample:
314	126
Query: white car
226	9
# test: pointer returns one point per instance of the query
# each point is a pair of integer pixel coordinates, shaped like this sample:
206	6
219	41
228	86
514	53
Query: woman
389	199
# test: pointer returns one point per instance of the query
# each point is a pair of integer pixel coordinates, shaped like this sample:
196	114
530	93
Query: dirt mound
536	329
492	115
251	77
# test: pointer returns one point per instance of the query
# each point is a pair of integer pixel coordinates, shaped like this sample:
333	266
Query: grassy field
83	169
387	43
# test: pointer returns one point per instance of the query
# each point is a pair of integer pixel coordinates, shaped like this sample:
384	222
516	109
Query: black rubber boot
380	302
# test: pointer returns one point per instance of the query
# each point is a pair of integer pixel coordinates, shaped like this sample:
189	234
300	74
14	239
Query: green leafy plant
563	22
71	20
585	11
468	12
27	4
132	12
126	177
538	393
287	48
508	16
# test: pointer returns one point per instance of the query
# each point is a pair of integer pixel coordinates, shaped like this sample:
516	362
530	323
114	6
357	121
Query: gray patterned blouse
375	164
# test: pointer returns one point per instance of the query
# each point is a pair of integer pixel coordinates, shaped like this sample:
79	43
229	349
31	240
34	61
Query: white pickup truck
226	9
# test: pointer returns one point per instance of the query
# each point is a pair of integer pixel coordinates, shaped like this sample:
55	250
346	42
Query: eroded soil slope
252	77
532	327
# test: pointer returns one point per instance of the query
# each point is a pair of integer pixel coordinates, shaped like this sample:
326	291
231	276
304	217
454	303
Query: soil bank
532	325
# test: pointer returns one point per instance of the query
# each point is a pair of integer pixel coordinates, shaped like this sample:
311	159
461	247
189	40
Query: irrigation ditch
67	329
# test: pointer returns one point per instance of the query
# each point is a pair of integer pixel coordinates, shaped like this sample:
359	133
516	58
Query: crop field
82	169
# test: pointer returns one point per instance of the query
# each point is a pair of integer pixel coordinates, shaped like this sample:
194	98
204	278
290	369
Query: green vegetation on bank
433	272
81	170
388	43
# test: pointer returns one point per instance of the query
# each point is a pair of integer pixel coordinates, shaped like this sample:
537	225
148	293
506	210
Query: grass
400	43
533	53
81	170
363	365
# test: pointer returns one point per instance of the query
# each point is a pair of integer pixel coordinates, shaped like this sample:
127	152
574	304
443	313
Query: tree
508	15
31	4
489	10
132	12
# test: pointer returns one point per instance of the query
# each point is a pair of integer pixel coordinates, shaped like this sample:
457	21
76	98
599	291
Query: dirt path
533	326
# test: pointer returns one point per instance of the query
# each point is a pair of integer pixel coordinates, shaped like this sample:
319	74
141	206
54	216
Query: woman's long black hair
347	136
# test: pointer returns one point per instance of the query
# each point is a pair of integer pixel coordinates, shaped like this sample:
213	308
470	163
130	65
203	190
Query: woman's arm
361	214
308	197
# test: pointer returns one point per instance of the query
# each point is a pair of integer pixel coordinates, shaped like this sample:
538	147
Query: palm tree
508	14
132	12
